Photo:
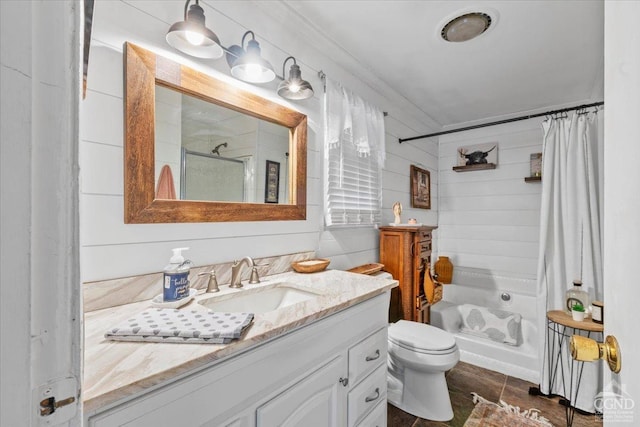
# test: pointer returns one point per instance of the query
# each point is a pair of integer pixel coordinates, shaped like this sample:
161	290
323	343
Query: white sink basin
260	300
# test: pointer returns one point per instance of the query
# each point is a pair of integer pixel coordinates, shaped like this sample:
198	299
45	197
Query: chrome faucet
236	272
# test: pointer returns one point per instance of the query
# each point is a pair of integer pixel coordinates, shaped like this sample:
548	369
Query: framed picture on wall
535	165
420	188
272	182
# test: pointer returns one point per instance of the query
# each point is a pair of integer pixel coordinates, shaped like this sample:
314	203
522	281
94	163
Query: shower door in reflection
210	177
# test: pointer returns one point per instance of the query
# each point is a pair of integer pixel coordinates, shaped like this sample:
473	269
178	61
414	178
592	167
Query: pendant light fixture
192	37
294	87
248	65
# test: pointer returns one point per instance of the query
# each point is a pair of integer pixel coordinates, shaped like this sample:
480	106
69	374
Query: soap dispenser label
176	286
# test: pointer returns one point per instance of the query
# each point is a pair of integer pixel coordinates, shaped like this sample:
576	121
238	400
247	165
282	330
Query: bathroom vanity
321	362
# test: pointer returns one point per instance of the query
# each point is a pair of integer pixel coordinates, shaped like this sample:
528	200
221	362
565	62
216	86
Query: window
354	156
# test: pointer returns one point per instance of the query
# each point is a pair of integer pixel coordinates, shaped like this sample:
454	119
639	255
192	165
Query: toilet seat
421	338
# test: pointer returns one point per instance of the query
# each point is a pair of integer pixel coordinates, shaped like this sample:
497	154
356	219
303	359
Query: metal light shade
294	87
251	67
192	37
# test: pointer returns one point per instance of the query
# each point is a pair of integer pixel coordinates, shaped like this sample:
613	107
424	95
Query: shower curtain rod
500	122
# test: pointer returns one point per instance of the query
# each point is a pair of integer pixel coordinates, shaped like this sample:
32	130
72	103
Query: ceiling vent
466	27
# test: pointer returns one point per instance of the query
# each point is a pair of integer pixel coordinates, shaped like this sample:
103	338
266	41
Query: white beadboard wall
112	249
489	220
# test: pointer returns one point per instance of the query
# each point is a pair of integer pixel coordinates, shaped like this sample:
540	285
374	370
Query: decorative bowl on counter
310	265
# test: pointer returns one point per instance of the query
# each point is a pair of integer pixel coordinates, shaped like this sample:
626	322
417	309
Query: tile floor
466	378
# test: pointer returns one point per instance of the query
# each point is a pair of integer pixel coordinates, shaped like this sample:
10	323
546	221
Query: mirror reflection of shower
212	177
216	150
227	151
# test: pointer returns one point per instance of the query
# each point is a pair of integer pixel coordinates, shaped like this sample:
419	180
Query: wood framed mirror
144	72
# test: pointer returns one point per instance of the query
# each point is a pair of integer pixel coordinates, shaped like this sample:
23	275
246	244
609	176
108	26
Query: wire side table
560	328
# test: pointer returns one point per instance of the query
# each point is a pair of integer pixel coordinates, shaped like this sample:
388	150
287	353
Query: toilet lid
420	336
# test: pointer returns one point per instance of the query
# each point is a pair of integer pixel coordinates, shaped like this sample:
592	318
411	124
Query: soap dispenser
176	277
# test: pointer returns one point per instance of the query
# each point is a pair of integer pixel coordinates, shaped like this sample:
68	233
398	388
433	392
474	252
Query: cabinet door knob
374	397
374	357
344	381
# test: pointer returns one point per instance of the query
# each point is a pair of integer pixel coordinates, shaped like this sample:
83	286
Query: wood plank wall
110	249
489	220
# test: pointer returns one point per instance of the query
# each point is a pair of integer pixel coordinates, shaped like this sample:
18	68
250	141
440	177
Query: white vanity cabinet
331	372
368	374
317	400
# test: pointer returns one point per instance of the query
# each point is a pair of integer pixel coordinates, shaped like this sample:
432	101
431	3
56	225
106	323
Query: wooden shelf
532	179
478	167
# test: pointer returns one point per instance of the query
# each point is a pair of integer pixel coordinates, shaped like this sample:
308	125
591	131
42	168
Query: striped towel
181	326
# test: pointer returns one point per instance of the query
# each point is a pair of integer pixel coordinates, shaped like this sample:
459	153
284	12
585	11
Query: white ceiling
536	55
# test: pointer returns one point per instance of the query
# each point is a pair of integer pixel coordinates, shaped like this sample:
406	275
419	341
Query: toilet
418	356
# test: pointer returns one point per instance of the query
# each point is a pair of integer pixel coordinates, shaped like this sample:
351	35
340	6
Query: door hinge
57	401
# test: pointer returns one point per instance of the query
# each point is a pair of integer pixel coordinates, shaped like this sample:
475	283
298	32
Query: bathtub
518	361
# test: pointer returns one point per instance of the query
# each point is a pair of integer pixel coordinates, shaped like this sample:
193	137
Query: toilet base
422	394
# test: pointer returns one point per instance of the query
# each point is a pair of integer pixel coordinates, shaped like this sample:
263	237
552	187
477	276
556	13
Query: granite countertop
116	370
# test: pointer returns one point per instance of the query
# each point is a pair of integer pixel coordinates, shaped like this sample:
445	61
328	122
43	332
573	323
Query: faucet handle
212	283
254	275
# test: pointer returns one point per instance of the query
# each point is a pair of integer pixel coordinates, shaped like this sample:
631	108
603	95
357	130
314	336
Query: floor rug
489	414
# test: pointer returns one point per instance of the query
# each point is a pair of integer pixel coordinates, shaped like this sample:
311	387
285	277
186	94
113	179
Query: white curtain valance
350	119
354	157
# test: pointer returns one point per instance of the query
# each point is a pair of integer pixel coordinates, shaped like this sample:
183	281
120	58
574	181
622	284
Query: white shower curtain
570	237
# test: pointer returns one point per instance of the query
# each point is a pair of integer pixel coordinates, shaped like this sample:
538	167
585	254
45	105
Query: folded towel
181	326
165	188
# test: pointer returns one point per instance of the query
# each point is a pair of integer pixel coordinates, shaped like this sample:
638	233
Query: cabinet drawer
424	248
367	395
367	355
424	235
377	417
421	249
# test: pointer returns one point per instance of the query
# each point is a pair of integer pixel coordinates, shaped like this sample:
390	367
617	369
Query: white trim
40	227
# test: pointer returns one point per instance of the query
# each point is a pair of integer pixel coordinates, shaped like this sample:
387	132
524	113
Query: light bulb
194	38
294	87
253	70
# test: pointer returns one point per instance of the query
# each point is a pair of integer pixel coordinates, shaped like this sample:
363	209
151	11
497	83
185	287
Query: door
316	401
621	397
40	292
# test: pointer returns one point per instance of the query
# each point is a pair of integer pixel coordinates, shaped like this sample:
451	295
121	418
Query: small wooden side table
560	328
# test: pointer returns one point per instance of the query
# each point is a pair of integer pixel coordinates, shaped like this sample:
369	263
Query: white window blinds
354	157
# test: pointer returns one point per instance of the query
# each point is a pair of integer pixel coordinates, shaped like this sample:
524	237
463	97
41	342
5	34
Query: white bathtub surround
111	293
114	371
516	295
570	233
